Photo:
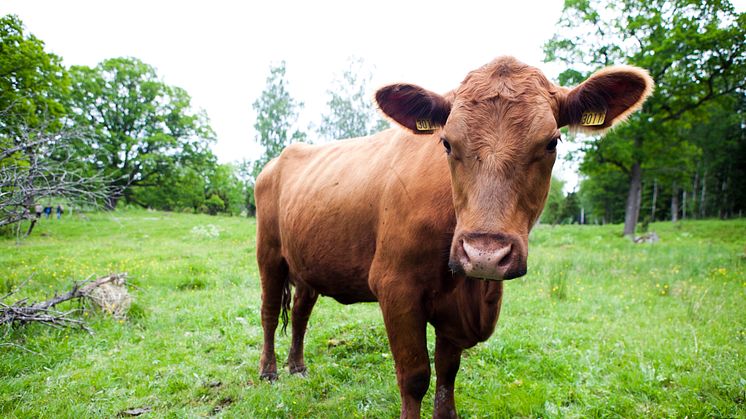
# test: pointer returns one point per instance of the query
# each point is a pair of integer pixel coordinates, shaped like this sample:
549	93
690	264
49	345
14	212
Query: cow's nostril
466	249
489	256
506	259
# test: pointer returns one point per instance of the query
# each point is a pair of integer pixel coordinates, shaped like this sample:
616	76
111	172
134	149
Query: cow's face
500	131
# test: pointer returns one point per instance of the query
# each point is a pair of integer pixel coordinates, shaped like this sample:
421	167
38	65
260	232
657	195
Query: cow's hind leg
303	302
275	293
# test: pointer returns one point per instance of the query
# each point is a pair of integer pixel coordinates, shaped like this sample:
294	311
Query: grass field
600	327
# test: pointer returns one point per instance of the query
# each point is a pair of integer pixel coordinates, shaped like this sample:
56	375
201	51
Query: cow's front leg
406	329
447	361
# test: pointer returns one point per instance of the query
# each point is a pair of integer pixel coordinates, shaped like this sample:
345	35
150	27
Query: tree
214	189
36	170
35	142
32	82
139	127
561	208
214	204
351	112
224	183
277	115
571	209
719	185
180	188
552	213
599	195
245	175
694	49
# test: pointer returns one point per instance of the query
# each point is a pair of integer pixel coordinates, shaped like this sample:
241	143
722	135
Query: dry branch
39	164
21	312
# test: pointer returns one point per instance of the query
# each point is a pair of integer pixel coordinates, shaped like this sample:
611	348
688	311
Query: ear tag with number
425	125
590	119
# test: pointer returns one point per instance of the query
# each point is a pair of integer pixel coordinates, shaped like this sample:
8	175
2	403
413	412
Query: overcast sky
220	51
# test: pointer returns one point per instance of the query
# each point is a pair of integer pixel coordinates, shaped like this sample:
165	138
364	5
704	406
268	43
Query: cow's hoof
268	376
299	370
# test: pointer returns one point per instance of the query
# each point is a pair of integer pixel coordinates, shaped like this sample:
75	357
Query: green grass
600	327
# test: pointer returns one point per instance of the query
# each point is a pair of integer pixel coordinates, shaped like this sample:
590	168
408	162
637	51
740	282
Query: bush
214	204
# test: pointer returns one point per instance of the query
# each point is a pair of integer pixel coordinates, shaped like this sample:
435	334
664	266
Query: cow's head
500	130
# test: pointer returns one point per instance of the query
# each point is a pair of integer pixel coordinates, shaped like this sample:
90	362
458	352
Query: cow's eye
447	145
552	145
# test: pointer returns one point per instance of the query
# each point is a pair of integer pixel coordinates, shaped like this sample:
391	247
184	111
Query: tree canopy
32	81
276	119
350	110
35	138
696	52
139	127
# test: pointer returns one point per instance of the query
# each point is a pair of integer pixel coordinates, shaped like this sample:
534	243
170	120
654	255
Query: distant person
38	209
59	211
47	211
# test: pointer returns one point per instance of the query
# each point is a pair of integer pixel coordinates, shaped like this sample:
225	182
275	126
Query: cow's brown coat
385	218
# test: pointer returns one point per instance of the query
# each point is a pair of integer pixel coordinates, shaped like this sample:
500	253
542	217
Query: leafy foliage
130	129
180	188
552	213
351	112
140	128
225	184
600	196
694	49
277	114
244	172
32	81
719	131
561	208
35	141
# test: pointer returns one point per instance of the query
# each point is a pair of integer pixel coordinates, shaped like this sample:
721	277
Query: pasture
599	327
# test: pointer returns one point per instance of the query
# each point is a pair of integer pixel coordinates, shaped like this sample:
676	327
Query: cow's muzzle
493	256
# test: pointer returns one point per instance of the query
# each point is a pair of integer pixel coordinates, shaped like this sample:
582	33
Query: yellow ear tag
425	125
590	119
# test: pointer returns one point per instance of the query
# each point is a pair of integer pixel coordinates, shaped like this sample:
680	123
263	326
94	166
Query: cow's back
327	209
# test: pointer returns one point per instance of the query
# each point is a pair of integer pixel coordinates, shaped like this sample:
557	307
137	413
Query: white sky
220	51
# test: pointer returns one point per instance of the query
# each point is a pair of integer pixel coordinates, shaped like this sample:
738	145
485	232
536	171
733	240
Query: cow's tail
285	304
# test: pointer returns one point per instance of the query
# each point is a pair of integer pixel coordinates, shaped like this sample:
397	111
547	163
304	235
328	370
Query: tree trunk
250	211
110	203
655	197
675	202
724	199
702	211
607	213
695	185
632	210
31	227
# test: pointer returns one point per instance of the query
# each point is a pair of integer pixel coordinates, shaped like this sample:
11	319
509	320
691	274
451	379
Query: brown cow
418	218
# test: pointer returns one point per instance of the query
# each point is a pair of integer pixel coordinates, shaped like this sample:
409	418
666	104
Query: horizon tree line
140	140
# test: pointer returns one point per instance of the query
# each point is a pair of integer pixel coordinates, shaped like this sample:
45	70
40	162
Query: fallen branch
21	347
22	313
647	238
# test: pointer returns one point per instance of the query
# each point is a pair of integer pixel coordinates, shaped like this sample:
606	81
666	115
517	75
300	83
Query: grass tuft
192	284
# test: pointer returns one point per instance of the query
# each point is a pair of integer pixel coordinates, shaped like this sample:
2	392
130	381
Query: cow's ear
609	96
413	107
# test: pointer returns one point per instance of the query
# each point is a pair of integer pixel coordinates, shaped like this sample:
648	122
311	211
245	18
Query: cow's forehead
507	78
505	98
503	119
